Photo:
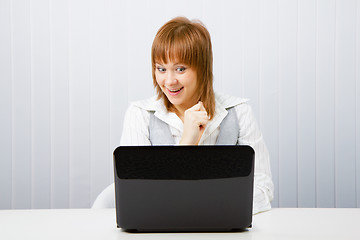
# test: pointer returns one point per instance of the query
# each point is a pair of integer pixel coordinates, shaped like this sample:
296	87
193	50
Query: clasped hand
195	120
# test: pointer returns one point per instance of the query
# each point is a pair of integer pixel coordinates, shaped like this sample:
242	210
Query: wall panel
251	52
69	70
325	99
139	80
118	73
269	85
213	20
5	105
357	63
345	104
60	123
288	175
21	107
79	100
100	98
40	104
306	107
232	50
190	9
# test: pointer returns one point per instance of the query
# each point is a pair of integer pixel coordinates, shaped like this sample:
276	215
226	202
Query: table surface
278	223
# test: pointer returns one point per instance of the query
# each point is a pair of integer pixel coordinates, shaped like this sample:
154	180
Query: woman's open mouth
174	92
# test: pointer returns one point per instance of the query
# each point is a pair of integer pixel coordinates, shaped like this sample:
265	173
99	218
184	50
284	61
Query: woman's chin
175	101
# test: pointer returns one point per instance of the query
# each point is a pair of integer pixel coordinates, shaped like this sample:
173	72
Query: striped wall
68	70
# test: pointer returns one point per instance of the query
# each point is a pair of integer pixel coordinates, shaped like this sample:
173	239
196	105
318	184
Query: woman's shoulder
241	106
140	110
228	101
149	104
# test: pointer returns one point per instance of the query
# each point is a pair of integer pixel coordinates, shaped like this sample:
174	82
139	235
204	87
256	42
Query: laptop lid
184	188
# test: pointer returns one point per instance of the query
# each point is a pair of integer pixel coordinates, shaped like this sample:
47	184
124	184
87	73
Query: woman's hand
195	120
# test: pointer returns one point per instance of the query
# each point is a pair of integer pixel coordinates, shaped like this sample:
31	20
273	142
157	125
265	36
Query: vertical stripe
118	71
306	107
269	86
325	88
21	99
213	20
100	107
287	104
357	64
278	84
231	49
139	83
79	93
251	53
59	18
5	105
40	74
174	9
345	104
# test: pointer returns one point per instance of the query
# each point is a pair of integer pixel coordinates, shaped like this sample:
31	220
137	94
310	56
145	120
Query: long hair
186	42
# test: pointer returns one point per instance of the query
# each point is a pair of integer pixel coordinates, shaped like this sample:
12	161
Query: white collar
222	102
157	106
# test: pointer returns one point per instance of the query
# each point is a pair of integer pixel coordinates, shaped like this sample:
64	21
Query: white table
281	223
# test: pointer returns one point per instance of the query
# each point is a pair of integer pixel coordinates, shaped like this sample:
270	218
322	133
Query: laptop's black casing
184	188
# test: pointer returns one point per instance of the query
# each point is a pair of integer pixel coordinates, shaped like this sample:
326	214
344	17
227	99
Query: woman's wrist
185	141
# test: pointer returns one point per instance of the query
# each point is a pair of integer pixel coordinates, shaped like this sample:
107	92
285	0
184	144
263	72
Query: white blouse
135	133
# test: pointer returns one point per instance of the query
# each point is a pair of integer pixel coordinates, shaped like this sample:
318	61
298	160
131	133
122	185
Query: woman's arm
250	134
136	127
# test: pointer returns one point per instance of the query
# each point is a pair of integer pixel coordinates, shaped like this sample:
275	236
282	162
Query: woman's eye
180	69
160	69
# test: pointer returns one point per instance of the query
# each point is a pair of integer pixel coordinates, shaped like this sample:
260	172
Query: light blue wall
68	70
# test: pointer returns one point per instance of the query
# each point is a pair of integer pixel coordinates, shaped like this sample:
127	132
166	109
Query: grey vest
160	134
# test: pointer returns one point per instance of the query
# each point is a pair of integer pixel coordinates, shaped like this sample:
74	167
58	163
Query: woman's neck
179	112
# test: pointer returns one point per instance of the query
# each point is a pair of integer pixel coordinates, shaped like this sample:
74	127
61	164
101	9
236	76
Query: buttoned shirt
136	133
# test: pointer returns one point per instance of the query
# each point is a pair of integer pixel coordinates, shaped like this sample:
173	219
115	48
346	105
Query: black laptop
184	188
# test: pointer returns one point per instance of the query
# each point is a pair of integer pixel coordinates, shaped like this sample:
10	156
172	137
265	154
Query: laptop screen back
184	188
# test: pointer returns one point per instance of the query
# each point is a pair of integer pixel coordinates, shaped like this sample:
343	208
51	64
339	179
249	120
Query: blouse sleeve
135	129
250	134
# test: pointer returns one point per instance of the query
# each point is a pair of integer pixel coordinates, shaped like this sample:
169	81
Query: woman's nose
170	79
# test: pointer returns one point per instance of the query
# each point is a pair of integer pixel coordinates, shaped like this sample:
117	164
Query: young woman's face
178	82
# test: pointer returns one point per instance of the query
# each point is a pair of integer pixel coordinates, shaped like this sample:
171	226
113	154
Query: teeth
175	90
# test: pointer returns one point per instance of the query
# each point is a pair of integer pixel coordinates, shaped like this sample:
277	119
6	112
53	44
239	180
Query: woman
186	110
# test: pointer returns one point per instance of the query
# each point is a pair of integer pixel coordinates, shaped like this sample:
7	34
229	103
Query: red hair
188	42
